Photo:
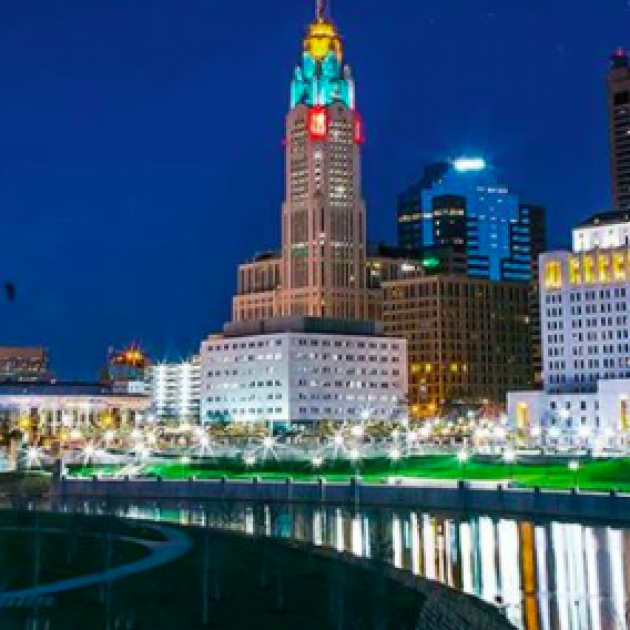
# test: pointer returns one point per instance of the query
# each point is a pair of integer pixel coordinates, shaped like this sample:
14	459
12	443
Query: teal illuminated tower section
323	78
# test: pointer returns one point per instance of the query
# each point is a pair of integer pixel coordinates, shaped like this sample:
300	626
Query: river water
544	575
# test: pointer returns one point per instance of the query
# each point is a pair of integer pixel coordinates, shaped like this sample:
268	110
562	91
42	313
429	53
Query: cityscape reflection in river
545	575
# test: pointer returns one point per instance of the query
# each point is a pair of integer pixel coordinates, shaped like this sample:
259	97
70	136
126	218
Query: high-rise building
619	112
464	206
585	310
461	206
468	339
321	270
175	390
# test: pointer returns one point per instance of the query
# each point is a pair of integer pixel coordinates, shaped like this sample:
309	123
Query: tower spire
321	9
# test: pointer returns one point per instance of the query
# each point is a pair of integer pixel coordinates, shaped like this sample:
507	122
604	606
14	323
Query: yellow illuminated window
589	275
553	275
603	268
575	271
619	265
522	417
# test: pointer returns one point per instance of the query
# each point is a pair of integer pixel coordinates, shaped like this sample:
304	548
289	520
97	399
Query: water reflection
546	576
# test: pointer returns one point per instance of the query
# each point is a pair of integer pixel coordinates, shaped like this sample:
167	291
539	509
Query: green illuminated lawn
602	475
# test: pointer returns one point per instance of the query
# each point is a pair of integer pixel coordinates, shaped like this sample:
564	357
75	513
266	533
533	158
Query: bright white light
152	439
136	434
500	433
354	454
395	454
75	434
462	456
268	442
185	460
574	465
554	433
32	454
109	436
365	415
564	414
467	165
90	451
358	431
509	457
250	460
204	441
536	432
317	461
338	440
585	432
412	436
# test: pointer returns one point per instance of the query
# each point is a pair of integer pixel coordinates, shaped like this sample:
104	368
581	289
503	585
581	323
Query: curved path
175	545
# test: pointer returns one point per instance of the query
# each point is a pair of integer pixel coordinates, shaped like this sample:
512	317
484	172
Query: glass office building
463	205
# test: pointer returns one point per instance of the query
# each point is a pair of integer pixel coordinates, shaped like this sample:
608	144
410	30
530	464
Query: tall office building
468	339
464	206
321	270
619	111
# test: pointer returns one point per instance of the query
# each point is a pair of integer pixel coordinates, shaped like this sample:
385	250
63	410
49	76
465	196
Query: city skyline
140	207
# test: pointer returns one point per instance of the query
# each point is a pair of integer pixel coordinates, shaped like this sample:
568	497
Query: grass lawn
600	475
250	582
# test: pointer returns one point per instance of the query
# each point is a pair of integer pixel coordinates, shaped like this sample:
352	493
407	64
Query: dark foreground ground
235	582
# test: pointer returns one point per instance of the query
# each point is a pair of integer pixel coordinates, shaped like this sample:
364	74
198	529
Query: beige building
321	269
468	339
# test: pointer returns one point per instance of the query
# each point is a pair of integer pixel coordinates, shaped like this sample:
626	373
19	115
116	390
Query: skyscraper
619	111
321	270
464	206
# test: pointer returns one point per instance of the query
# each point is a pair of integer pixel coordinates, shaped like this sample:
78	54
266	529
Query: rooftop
311	325
611	217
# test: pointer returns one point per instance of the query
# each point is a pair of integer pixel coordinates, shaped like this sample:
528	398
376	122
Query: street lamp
462	458
509	457
574	467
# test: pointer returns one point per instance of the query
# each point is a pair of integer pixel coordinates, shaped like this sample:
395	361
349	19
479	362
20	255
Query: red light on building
359	136
318	123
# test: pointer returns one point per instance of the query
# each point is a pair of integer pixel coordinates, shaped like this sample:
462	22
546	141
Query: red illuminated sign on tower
318	123
359	136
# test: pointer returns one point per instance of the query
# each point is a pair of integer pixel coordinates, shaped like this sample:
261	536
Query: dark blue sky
141	142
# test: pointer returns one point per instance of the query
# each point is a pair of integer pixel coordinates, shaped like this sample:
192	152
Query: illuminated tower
619	112
323	217
321	270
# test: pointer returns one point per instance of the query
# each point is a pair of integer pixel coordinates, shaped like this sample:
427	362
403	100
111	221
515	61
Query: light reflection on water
545	575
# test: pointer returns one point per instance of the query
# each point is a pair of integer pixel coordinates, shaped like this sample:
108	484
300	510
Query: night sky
141	142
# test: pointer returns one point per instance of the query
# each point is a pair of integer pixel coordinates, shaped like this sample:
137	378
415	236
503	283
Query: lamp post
574	467
509	457
462	458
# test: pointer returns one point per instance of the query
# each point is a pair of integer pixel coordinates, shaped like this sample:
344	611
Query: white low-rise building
303	370
175	390
585	310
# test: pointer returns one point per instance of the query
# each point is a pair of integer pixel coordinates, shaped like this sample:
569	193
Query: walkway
175	545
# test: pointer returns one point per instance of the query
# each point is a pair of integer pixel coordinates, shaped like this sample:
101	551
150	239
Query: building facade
468	339
585	310
175	390
302	370
619	128
464	206
321	269
50	409
24	365
491	232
